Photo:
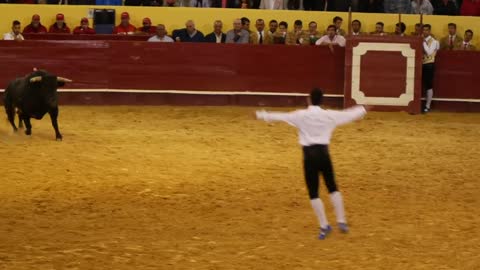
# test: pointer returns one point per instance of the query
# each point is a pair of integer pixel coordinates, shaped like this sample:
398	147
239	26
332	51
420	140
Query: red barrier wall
48	36
179	66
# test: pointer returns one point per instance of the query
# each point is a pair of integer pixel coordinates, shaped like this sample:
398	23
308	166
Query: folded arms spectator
83	28
15	34
238	34
124	28
35	26
59	27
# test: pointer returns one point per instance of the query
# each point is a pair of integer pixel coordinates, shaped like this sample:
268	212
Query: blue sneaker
343	227
324	232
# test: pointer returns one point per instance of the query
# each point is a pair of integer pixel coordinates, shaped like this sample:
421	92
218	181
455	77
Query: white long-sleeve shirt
315	125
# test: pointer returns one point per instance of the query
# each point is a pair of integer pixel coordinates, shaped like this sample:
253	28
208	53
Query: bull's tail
9	107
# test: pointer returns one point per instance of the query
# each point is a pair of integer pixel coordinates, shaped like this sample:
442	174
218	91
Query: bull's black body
33	100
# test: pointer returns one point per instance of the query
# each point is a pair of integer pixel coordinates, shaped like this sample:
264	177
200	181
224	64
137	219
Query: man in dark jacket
217	36
188	34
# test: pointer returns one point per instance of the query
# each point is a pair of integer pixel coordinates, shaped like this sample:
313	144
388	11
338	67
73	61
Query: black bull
33	96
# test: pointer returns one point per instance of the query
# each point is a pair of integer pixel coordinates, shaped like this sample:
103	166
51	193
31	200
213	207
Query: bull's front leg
54	116
11	116
28	125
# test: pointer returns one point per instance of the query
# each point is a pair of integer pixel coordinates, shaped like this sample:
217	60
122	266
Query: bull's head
47	85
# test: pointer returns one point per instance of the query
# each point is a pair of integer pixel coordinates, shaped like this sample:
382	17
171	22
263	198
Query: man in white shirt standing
15	34
161	35
331	38
430	48
315	127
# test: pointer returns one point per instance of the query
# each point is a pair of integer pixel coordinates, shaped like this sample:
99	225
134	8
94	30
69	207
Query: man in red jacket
83	28
125	28
35	26
59	27
147	27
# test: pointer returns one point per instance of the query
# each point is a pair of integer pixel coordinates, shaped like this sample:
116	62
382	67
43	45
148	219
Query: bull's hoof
28	132
59	138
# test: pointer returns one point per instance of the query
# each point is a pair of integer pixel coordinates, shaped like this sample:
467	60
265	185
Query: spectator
83	28
272	4
397	6
217	36
337	21
314	4
452	41
357	28
400	29
124	28
375	6
262	37
331	38
467	41
338	5
422	7
296	36
281	35
15	34
59	27
189	33
293	4
444	7
273	26
200	3
238	34
418	30
312	35
161	35
379	29
170	3
430	48
246	26
147	28
470	8
35	26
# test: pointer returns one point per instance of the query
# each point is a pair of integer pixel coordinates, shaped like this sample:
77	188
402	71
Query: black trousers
316	159
428	73
313	4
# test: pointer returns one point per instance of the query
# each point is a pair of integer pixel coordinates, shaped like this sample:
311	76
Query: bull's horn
36	79
61	79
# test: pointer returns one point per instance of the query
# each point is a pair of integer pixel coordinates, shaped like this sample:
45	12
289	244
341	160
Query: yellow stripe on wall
175	18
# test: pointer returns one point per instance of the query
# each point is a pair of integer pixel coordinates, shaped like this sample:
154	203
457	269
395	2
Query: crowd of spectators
438	7
242	33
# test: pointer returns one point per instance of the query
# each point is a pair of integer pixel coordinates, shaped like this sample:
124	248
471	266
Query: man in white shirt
430	48
15	34
161	35
315	127
331	38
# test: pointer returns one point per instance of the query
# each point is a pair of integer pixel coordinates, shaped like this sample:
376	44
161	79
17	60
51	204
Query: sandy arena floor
212	188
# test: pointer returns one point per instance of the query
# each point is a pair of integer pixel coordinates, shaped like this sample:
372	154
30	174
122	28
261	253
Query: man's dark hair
298	22
357	21
380	23
331	26
469	31
272	21
310	23
337	19
15	23
284	24
427	26
452	25
316	96
402	26
245	20
418	24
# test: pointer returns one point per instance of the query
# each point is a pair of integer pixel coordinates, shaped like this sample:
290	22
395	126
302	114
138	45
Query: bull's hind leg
11	117
53	116
28	125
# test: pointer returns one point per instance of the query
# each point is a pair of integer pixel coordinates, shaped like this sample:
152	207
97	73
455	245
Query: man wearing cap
124	28
147	27
83	28
35	26
59	27
15	34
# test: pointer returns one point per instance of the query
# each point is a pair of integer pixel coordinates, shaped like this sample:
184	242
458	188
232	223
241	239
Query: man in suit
312	35
260	36
452	41
467	42
217	36
337	21
296	36
357	28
